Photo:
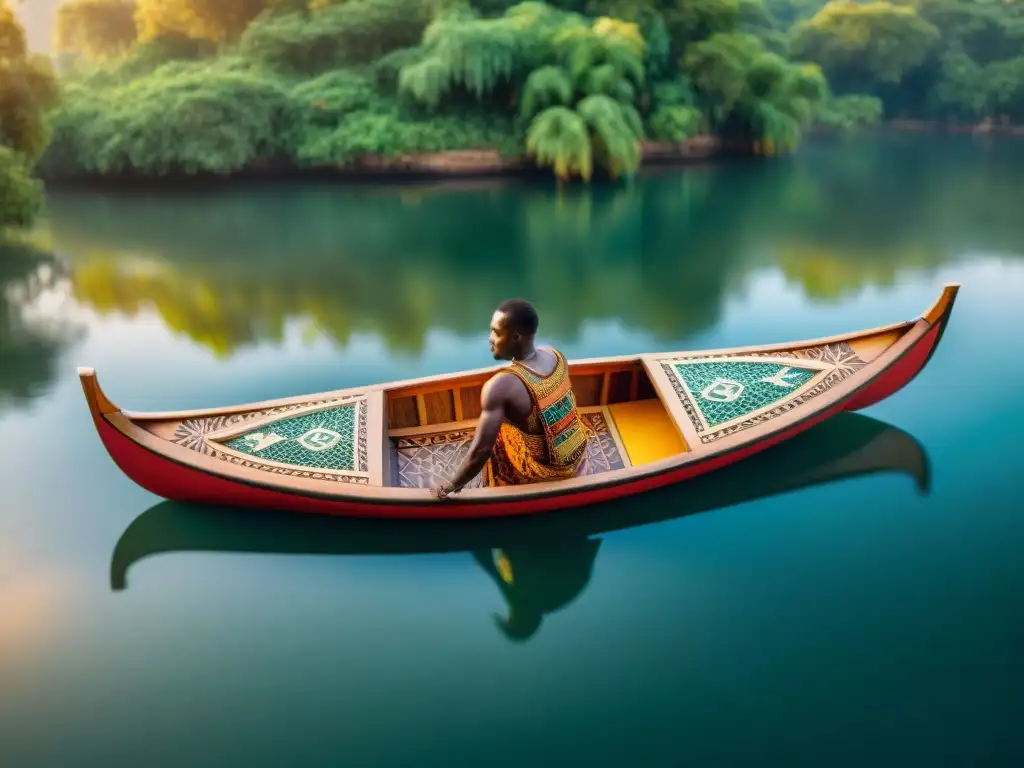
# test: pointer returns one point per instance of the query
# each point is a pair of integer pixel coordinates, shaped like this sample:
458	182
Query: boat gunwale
314	488
484	497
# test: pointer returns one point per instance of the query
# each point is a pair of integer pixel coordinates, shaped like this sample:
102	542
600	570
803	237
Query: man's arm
492	415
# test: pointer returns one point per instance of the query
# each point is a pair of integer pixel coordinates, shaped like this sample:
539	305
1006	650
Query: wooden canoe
849	446
376	451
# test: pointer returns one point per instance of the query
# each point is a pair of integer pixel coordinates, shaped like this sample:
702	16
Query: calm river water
851	599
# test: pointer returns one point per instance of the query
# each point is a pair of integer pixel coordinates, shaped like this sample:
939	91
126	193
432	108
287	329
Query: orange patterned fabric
555	441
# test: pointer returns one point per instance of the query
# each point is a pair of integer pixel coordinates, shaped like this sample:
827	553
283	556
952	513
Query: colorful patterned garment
555	440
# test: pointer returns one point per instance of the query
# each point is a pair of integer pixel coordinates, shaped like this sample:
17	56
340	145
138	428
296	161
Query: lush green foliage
959	60
27	90
217	86
20	195
354	33
753	92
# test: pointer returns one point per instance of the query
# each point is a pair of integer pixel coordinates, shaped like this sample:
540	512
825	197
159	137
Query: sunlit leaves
27	89
876	41
12	35
587	48
620	32
95	27
216	20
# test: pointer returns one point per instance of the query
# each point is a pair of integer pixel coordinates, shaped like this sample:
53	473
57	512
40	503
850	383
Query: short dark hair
522	317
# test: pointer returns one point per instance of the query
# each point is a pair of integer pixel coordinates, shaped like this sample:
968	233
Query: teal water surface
850	599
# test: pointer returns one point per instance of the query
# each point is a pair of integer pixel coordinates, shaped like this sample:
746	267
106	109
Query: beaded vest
555	411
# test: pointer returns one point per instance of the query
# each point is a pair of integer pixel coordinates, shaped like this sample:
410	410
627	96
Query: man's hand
444	491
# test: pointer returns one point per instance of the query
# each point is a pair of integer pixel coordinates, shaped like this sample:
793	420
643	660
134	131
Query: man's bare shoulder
502	387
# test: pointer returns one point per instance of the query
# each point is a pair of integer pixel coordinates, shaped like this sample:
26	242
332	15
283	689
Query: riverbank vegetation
27	90
160	88
167	87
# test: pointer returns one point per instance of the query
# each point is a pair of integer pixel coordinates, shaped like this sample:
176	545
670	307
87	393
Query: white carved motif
319	439
257	441
779	378
722	391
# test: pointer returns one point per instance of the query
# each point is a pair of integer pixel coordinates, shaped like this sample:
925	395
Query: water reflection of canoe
374	451
845	447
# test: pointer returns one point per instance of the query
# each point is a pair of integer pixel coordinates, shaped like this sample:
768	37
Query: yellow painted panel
647	431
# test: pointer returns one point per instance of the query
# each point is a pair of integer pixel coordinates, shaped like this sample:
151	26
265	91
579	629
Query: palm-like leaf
476	54
559	137
607	80
617	141
426	81
545	87
625	32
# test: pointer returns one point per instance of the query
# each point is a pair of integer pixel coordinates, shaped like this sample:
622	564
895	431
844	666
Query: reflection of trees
229	268
898	193
864	213
29	346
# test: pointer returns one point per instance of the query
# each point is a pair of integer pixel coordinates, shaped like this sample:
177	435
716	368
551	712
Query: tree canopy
27	90
197	86
957	60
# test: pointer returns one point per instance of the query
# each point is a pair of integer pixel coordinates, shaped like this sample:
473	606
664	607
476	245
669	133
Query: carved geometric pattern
602	452
193	434
337	477
430	460
841	355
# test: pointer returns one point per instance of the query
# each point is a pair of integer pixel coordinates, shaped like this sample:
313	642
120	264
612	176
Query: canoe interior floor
425	461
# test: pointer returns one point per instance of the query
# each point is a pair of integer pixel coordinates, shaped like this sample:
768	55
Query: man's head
513	327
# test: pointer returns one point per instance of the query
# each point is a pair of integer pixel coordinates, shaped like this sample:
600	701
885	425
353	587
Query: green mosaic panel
307	440
730	390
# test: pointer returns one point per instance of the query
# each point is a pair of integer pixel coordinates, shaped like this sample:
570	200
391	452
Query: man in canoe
529	429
